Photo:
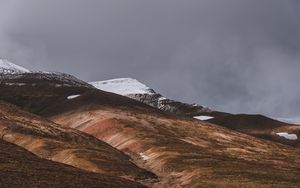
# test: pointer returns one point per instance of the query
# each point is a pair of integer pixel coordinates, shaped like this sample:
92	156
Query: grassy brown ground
20	168
185	152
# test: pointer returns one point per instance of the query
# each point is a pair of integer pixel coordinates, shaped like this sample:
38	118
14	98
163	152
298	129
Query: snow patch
162	98
144	157
72	97
203	118
122	86
7	67
288	136
15	84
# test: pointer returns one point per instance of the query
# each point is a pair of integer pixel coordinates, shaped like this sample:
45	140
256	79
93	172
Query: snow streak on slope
203	118
123	86
7	67
72	97
288	135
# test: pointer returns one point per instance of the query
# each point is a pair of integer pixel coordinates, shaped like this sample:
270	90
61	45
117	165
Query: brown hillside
20	168
65	145
184	152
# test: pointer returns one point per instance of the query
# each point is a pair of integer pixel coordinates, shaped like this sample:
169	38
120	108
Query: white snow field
122	86
288	136
203	118
7	67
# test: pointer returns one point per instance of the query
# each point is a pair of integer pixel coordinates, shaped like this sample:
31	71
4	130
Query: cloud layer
232	55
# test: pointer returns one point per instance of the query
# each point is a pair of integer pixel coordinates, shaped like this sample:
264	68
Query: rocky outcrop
158	101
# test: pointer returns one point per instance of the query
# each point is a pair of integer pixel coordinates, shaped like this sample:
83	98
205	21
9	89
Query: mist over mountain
152	93
234	55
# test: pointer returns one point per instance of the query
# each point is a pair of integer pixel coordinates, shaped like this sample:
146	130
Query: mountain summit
134	89
15	75
7	67
123	86
124	143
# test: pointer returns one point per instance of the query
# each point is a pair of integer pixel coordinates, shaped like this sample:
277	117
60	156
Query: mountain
136	90
7	67
71	122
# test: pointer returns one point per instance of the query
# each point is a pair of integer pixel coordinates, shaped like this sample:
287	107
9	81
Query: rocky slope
34	91
19	85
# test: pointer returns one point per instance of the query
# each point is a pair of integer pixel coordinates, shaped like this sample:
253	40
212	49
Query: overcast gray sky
231	55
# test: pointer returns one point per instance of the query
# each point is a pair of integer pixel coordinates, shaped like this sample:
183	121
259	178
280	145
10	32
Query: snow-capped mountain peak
123	86
11	72
7	67
136	90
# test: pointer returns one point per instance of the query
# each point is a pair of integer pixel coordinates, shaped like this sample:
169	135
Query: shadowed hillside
20	168
260	126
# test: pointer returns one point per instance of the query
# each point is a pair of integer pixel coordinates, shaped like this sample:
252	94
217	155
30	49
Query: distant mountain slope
12	74
35	91
7	67
294	120
20	168
134	89
261	126
34	78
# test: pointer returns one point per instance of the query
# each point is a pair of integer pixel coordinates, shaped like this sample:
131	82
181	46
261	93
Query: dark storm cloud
233	55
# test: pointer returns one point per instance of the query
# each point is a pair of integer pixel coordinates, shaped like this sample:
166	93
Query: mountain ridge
126	137
6	67
136	90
